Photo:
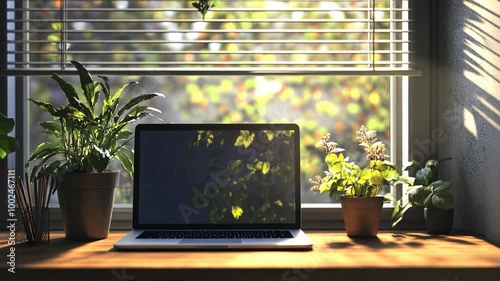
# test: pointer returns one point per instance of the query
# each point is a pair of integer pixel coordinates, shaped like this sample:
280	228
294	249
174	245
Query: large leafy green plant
90	131
345	178
428	191
8	144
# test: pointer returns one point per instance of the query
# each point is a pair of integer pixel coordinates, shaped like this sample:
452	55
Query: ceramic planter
438	221
86	201
362	215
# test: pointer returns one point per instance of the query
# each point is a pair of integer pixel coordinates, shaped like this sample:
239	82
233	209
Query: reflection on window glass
318	104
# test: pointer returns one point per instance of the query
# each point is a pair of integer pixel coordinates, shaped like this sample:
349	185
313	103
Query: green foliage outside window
319	104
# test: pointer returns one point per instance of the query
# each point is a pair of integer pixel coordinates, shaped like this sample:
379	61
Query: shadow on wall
469	55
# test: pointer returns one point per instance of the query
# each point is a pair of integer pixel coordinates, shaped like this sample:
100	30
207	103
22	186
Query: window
329	66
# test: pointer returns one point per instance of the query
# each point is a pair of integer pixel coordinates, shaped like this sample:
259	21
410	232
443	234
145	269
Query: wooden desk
392	256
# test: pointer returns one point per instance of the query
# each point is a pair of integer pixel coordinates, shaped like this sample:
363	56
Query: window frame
414	122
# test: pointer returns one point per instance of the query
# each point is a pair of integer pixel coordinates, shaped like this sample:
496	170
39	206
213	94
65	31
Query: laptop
216	186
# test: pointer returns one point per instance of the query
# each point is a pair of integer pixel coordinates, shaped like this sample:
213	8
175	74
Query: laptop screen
216	176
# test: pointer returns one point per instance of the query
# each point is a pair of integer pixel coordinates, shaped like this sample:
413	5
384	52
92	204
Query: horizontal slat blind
238	37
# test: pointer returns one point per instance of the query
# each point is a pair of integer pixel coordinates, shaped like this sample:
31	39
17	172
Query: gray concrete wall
469	110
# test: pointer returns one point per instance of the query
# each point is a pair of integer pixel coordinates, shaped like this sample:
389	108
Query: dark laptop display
216	186
216	176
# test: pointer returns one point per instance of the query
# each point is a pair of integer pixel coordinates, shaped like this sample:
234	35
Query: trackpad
210	241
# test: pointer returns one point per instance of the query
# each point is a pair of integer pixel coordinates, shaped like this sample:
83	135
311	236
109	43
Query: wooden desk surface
391	256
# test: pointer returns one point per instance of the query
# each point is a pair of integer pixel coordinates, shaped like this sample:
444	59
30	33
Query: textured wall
469	110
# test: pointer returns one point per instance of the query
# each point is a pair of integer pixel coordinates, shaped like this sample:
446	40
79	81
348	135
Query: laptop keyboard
222	234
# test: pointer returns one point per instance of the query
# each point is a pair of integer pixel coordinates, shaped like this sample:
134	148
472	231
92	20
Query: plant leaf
66	87
135	101
203	6
236	166
8	144
124	134
45	150
237	211
51	128
244	139
428	200
89	87
99	158
443	201
126	162
365	175
423	176
390	197
325	186
44	105
413	164
431	163
334	162
266	166
6	124
444	159
119	92
440	186
376	177
131	118
405	180
418	194
69	112
105	88
399	216
72	96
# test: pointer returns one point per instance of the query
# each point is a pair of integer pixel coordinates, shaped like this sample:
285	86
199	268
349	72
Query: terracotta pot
438	221
86	201
362	215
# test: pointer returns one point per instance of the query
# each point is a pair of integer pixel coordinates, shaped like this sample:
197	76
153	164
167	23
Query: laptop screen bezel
217	126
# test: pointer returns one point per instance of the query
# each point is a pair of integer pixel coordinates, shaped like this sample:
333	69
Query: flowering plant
345	178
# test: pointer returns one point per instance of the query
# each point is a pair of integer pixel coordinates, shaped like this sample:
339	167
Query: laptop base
300	241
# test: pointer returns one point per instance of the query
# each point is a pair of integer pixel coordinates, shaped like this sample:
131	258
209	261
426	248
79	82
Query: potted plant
89	132
431	193
357	187
8	144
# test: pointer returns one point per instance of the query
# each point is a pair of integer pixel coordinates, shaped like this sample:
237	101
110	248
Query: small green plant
8	144
90	131
203	6
428	191
345	178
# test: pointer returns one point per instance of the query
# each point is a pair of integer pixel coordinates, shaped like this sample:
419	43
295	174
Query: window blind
242	37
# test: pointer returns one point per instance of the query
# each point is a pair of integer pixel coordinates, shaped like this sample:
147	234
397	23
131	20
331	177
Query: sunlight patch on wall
482	79
470	122
481	45
494	113
481	66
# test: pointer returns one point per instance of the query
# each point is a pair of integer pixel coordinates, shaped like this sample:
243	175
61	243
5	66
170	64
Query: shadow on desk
59	246
409	256
402	240
374	243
